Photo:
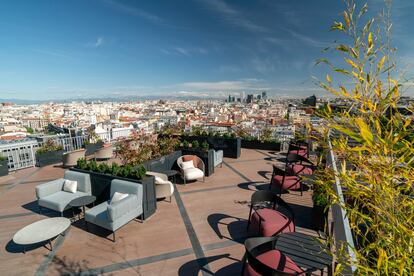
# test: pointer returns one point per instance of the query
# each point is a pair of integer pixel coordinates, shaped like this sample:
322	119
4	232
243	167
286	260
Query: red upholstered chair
262	259
299	165
270	215
283	181
300	148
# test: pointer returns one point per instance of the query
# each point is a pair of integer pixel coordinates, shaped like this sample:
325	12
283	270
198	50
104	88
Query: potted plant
320	209
50	153
4	169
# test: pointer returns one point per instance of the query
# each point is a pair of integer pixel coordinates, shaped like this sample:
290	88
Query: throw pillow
187	158
159	180
187	165
118	197
70	186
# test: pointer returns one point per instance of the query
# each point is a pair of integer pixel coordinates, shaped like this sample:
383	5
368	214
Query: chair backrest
257	246
196	160
83	179
278	171
270	196
126	187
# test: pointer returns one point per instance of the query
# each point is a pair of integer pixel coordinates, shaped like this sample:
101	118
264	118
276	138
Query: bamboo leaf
363	10
381	63
328	78
351	62
347	21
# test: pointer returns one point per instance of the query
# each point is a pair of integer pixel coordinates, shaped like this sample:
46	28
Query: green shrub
195	144
48	146
103	168
2	158
186	144
82	164
205	146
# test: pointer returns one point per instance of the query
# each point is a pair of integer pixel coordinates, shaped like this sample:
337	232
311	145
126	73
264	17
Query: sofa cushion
118	197
59	201
276	260
299	169
193	173
291	182
70	186
187	165
272	222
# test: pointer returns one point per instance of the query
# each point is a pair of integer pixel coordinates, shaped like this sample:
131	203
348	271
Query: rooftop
200	232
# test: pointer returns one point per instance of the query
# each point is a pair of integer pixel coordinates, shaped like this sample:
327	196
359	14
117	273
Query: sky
108	48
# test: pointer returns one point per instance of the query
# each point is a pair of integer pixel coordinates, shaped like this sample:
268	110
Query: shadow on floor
258	185
196	266
236	228
13	247
34	207
65	266
265	174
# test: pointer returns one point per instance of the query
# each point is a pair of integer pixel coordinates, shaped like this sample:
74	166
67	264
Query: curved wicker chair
195	173
70	158
262	259
163	187
104	153
267	217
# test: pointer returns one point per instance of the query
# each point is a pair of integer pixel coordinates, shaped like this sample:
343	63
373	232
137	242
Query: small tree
373	141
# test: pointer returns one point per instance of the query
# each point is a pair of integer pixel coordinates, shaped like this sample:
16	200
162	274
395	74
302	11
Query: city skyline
107	48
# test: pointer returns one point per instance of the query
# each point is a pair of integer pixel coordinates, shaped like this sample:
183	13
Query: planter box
255	144
206	156
101	187
49	158
231	147
164	163
4	168
93	147
319	217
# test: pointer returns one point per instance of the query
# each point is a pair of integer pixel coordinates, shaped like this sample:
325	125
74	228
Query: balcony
201	231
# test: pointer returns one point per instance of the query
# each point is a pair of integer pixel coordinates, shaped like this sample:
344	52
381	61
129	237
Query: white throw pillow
159	180
118	197
187	165
70	186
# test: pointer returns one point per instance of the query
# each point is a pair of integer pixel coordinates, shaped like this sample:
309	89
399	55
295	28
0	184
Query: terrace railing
21	154
341	228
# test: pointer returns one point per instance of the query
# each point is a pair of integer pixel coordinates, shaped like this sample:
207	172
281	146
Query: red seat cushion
272	222
301	152
300	169
291	182
276	260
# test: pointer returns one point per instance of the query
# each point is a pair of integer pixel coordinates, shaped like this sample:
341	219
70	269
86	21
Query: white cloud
239	85
98	42
133	11
233	16
184	51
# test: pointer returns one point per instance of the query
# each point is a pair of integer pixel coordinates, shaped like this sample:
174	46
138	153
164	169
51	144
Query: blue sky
88	48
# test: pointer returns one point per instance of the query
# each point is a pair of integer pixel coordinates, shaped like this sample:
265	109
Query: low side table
81	202
171	173
41	231
306	251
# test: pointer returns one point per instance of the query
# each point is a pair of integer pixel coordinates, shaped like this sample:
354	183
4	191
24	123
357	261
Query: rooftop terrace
201	232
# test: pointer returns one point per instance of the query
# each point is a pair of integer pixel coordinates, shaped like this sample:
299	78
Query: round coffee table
81	202
41	231
171	173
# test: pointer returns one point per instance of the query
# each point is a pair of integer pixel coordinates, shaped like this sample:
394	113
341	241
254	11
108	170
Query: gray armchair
51	195
218	158
112	216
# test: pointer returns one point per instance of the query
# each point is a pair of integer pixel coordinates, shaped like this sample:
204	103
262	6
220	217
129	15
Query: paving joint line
195	242
20	181
48	259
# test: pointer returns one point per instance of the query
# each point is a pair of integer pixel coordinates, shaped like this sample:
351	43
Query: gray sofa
51	195
113	216
218	158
